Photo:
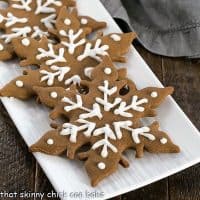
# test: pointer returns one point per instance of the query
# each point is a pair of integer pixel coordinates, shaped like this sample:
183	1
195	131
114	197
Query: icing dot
154	94
107	70
19	83
1	47
163	140
62	32
54	95
26	42
67	21
115	37
84	21
101	165
50	141
88	71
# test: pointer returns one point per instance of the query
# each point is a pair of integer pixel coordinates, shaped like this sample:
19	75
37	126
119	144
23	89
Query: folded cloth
165	27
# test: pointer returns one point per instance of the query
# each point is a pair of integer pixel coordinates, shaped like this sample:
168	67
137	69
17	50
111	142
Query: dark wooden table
20	172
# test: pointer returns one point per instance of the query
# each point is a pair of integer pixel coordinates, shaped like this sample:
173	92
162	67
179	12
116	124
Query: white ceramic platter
70	176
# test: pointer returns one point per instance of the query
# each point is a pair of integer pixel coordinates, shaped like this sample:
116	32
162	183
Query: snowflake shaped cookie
24	18
107	118
68	62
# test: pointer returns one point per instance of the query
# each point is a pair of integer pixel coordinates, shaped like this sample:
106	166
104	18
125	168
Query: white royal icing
163	140
59	72
116	37
38	32
95	111
72	37
135	105
107	92
16	32
26	42
105	143
84	21
144	131
43	7
76	79
11	19
101	165
72	130
108	132
19	83
50	53
94	52
107	71
50	141
49	21
67	21
25	5
54	95
1	47
154	94
88	71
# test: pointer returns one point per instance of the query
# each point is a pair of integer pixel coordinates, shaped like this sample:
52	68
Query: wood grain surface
20	172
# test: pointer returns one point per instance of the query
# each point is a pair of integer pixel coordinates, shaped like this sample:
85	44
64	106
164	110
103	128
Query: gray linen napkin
165	27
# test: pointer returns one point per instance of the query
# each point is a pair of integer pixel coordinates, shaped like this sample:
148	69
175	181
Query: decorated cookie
63	64
74	45
105	82
24	18
105	118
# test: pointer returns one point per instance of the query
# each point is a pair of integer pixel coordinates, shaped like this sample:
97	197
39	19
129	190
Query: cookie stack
75	76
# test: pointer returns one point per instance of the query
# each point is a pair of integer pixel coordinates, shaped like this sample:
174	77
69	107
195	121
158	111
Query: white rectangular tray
69	176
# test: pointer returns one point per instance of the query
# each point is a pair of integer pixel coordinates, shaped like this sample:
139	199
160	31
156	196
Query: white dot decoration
62	32
107	71
67	21
163	140
26	42
101	165
154	94
84	21
1	47
88	71
50	141
115	37
19	83
54	95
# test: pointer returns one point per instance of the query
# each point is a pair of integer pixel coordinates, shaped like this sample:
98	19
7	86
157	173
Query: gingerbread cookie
60	64
24	18
74	45
106	119
106	74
